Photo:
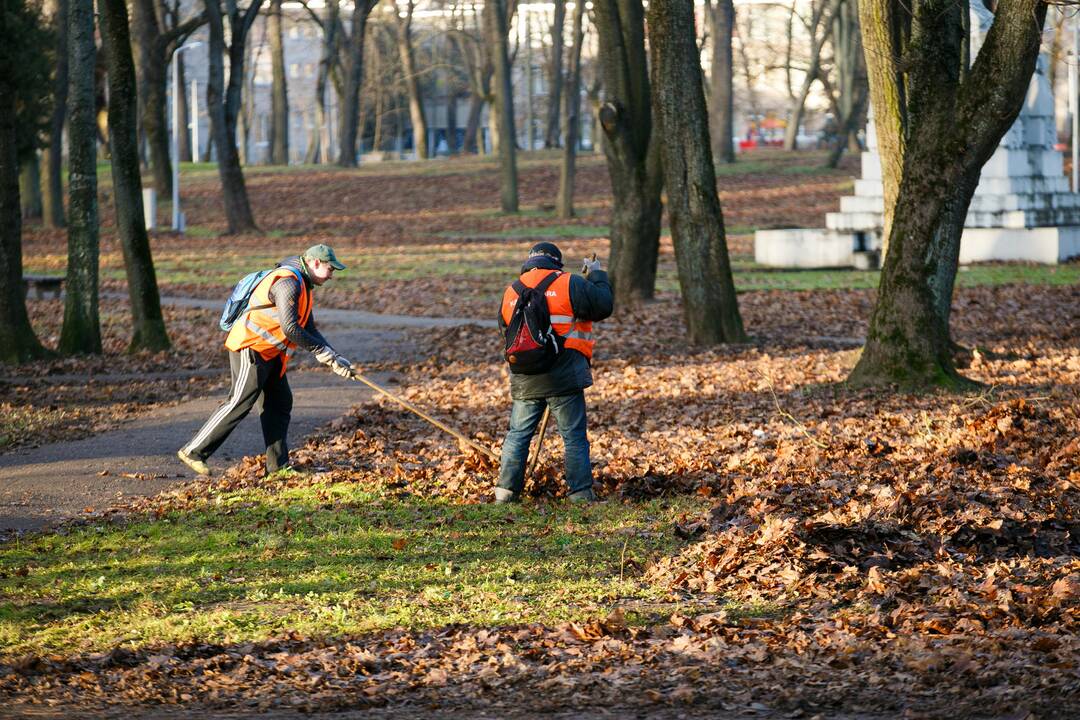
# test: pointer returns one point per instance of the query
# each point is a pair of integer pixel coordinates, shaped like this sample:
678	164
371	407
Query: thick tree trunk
722	110
279	91
53	200
952	129
633	156
496	20
412	83
17	340
30	188
354	77
81	332
697	224
565	201
223	106
148	325
555	76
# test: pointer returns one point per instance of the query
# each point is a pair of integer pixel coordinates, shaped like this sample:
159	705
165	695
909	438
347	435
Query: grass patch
550	231
326	560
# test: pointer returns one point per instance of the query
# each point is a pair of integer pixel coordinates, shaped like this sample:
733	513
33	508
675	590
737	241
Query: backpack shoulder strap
519	287
544	284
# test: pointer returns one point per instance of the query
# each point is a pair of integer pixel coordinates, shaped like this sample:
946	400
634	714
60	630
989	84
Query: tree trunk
951	129
17	340
633	158
822	20
279	91
30	188
496	21
148	325
81	332
412	81
697	224
723	87
555	77
472	125
153	80
354	78
223	106
331	26
565	201
53	200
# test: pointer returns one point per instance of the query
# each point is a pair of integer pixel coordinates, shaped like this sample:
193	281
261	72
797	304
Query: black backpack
531	345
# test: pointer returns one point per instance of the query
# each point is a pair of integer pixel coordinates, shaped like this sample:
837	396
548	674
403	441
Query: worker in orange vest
277	320
574	303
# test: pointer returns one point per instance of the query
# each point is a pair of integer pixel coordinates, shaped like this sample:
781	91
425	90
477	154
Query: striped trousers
254	381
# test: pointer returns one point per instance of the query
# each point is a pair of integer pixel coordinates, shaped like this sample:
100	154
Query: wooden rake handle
417	411
539	441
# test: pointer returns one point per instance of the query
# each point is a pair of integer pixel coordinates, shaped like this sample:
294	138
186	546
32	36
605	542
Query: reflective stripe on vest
261	329
577	333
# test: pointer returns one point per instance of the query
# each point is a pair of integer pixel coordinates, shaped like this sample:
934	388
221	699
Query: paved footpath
40	487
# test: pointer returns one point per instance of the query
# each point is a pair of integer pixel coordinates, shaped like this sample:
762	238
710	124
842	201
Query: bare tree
53	200
403	23
478	68
81	331
722	109
353	43
223	104
25	86
565	202
497	27
820	27
937	123
555	75
148	325
697	223
633	157
158	32
279	89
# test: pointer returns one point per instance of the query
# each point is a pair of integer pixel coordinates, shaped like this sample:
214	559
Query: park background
775	541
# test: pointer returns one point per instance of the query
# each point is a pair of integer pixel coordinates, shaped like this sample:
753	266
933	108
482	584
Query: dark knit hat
548	250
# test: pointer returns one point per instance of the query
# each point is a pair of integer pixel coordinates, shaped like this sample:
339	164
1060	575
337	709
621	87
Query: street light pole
177	216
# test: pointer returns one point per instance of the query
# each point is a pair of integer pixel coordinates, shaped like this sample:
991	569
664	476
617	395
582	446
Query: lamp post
177	221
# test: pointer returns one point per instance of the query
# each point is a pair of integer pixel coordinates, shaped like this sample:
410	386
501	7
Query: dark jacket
286	295
591	299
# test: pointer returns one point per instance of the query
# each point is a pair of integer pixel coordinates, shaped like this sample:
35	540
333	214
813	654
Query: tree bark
81	331
53	195
412	80
496	19
565	201
18	343
279	90
697	223
723	85
951	128
30	188
148	324
183	140
555	76
633	156
331	27
223	105
354	78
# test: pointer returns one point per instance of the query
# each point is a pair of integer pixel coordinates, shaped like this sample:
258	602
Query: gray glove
338	364
589	264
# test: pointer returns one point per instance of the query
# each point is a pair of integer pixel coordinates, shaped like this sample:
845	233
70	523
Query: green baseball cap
324	253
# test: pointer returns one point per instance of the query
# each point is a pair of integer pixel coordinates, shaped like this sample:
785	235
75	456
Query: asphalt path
43	486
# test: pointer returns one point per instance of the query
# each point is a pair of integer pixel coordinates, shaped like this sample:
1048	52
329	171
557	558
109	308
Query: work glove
589	264
338	364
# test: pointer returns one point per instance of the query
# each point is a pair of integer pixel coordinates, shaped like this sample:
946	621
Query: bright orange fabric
259	327
576	333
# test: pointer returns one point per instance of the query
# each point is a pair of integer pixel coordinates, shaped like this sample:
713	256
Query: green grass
550	231
327	560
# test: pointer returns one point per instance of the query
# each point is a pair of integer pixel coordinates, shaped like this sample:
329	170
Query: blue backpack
241	295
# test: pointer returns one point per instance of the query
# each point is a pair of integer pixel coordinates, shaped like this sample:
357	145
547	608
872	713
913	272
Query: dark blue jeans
569	412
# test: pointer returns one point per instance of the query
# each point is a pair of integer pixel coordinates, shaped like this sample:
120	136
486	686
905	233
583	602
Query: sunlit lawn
326	560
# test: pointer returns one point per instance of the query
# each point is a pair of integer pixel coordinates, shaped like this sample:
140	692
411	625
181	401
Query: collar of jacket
297	263
540	261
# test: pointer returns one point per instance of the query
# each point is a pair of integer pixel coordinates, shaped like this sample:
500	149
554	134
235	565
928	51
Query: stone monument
1022	208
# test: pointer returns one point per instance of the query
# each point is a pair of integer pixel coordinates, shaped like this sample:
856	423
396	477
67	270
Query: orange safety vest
259	327
577	333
